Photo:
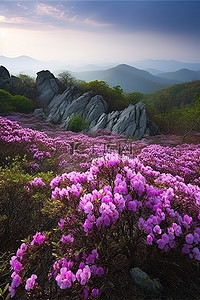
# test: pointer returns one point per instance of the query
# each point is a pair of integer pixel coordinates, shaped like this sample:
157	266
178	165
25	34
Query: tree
66	79
118	89
26	80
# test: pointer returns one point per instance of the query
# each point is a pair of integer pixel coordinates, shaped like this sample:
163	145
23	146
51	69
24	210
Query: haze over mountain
129	78
21	64
28	65
165	65
24	62
182	75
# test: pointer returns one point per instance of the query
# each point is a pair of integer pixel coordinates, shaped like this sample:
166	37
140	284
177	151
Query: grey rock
39	113
47	86
96	106
130	122
112	119
99	124
78	105
59	106
143	280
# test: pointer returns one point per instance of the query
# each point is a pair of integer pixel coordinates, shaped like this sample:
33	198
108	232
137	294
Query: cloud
55	12
22	6
94	23
14	20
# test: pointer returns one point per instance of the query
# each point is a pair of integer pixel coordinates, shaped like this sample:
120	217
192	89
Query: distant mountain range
151	77
30	66
129	78
182	75
21	64
165	65
133	79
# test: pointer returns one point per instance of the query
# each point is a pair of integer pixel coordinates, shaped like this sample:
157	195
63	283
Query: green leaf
6	288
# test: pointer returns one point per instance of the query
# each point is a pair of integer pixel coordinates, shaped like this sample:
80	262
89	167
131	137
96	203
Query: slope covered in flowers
114	204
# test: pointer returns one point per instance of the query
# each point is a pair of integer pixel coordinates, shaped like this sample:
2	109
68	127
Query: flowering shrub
180	160
116	202
144	205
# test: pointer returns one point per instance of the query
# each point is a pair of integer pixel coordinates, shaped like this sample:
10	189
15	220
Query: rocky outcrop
47	86
59	108
131	121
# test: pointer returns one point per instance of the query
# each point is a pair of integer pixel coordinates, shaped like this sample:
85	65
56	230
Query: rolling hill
178	95
129	78
183	75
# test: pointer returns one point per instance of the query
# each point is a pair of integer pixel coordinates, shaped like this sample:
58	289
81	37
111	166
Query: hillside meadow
77	213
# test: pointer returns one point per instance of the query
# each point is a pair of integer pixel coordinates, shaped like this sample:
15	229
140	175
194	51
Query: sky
100	31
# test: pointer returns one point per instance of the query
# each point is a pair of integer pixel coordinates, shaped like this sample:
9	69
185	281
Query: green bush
77	123
17	103
21	205
6	104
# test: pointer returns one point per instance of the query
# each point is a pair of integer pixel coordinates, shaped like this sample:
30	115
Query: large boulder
131	121
47	86
96	106
57	109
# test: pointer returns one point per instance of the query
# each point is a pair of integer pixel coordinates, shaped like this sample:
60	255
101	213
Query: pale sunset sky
100	31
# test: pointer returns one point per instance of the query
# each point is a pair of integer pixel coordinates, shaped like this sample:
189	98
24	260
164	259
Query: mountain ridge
182	75
129	78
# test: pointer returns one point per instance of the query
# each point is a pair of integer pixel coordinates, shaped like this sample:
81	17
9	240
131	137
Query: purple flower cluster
16	266
66	272
30	282
164	200
182	160
38	239
37	182
16	263
158	192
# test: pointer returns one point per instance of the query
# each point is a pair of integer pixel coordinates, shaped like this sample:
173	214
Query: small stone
143	280
39	113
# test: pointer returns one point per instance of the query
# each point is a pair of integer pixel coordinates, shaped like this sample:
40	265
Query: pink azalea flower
30	282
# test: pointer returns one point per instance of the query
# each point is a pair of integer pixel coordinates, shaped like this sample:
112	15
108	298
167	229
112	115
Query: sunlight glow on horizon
73	46
98	33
